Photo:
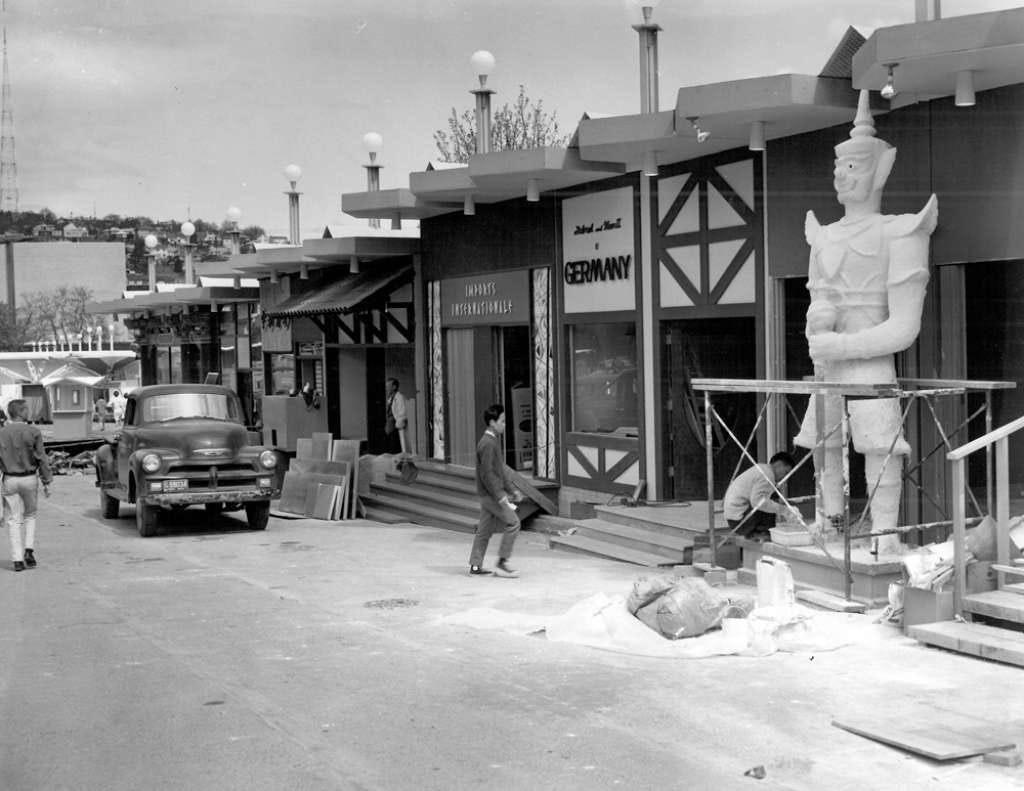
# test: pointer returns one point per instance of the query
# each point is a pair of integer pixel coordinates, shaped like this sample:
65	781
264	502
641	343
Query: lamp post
110	333
187	230
483	65
293	173
373	142
648	32
234	214
151	243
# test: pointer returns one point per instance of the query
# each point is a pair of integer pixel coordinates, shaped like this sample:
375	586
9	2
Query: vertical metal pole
12	302
959	565
709	455
988	450
1002	506
847	564
820	457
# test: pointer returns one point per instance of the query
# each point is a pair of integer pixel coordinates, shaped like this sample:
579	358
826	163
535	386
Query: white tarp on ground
603	621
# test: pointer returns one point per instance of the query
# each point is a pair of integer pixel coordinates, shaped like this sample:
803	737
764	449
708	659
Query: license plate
177	485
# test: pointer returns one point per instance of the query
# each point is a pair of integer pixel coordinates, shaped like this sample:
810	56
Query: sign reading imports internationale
493	298
599	252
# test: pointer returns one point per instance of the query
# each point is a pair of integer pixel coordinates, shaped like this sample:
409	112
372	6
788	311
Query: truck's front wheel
109	506
146	519
258	514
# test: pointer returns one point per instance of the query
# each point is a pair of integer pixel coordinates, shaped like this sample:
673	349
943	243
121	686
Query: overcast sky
153	106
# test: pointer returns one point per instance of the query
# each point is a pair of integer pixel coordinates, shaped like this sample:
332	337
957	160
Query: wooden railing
1000	438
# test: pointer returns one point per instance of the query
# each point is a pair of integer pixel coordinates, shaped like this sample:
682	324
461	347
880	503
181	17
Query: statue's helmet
864	158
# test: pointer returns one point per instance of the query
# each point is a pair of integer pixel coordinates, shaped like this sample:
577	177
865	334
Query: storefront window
256	344
176	370
228	349
605	395
163	365
282	373
242	315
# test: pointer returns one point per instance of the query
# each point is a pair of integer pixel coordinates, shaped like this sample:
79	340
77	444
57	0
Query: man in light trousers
24	464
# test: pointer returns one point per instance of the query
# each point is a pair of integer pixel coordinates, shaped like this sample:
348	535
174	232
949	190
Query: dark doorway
516	394
708	348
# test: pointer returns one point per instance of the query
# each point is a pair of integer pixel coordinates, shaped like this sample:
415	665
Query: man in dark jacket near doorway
497	497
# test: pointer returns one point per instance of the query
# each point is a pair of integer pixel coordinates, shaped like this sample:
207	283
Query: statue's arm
907	283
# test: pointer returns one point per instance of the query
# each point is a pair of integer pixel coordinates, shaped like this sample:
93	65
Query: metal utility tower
8	167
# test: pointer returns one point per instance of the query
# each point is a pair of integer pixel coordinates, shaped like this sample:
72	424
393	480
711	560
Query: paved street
216	658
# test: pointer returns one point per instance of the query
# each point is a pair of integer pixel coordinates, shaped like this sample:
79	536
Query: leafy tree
253	232
520	125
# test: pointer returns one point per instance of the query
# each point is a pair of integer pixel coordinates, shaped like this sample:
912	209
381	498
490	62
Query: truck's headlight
151	462
268	459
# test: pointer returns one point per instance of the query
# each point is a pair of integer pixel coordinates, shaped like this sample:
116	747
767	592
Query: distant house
72	233
44	232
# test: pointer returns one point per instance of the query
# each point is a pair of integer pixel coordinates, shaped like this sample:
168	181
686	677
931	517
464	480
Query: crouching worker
753	492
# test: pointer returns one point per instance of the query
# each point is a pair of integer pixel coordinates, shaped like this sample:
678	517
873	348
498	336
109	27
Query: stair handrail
1000	437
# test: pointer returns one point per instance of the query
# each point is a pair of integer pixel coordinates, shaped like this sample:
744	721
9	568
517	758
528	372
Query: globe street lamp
483	64
187	230
234	214
293	173
373	143
151	243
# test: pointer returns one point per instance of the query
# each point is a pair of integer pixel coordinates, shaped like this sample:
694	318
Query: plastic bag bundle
690	608
646	590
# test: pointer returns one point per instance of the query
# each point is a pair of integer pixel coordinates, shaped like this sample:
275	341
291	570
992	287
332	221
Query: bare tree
522	124
57	315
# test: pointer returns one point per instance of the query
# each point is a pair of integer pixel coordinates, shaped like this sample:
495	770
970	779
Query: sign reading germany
599	252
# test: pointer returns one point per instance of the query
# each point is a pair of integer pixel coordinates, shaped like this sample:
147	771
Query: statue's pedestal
812	568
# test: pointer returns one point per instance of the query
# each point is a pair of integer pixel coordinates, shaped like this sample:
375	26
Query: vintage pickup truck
184	445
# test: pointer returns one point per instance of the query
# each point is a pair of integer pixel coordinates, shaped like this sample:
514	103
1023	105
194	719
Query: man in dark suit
497	497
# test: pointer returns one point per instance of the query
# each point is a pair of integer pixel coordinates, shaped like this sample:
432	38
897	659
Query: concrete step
606	549
975	639
469	474
433	481
669	520
444	498
420	514
813	569
1002	604
639	538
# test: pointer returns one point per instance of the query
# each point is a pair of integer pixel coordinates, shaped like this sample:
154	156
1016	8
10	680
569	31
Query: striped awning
342	296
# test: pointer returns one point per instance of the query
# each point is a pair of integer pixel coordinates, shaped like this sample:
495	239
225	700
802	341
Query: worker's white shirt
398	409
751	490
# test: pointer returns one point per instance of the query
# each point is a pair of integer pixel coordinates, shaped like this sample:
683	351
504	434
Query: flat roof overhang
553	167
929	55
179	297
388	204
788	104
364	244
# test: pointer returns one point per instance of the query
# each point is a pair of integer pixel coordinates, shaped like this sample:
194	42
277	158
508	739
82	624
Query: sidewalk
335	635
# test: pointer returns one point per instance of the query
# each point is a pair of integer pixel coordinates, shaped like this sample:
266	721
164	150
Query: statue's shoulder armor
900	225
811	228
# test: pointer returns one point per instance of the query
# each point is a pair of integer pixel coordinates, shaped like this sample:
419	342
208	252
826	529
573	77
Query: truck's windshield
180	406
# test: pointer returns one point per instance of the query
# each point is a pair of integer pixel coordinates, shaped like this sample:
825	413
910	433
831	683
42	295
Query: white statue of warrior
867	278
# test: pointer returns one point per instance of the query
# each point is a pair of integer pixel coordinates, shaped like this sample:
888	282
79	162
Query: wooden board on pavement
322	445
934	741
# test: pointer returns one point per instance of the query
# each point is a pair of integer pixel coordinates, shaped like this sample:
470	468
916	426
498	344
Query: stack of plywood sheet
321	481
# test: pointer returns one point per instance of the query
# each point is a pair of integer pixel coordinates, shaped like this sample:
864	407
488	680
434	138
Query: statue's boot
885	504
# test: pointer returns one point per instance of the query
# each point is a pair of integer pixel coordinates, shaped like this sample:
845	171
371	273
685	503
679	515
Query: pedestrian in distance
396	418
25	465
754	490
498	497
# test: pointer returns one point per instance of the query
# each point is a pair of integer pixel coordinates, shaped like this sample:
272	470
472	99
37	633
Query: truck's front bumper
169	499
